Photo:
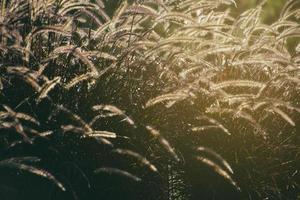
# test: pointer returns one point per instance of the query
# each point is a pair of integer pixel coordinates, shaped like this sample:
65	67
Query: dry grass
71	74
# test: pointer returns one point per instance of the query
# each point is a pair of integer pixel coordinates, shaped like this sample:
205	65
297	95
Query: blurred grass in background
271	13
271	9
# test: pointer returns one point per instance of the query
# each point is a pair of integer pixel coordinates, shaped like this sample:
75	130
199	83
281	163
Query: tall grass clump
132	100
230	83
53	147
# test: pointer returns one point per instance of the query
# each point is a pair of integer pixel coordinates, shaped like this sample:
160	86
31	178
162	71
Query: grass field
149	99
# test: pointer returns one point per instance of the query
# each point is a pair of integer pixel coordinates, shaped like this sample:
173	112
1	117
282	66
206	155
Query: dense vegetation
153	99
